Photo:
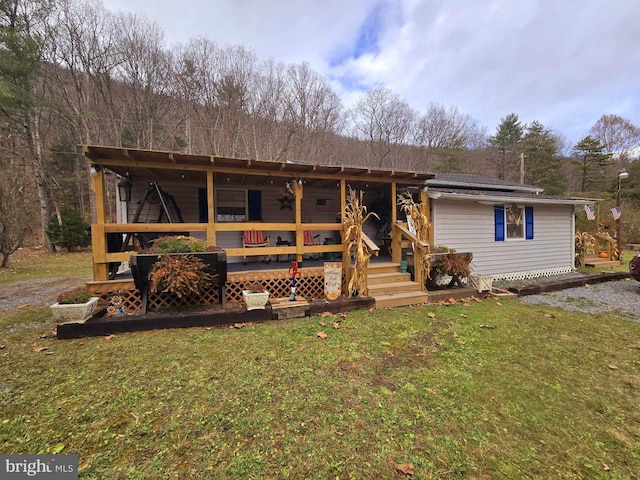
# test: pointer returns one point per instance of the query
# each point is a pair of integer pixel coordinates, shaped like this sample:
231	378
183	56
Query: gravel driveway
620	297
37	293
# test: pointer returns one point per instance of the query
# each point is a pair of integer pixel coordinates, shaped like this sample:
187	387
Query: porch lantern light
124	189
94	169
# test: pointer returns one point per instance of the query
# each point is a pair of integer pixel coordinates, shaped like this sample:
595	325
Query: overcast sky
564	63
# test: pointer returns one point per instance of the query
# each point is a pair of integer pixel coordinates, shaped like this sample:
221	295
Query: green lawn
483	390
29	264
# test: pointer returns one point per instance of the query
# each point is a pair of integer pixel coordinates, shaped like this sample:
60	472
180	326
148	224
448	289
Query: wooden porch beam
230	170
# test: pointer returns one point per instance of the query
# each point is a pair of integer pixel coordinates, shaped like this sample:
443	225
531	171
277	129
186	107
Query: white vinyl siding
469	227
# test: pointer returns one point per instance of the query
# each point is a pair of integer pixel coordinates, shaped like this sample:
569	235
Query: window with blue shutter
528	223
498	213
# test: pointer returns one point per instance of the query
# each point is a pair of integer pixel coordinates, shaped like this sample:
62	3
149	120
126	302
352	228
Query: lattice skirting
278	284
543	272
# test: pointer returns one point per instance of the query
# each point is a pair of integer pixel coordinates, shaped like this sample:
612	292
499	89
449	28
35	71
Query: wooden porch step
387	277
401	299
597	262
393	288
383	267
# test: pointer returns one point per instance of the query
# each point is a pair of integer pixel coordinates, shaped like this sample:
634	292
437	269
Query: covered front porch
296	209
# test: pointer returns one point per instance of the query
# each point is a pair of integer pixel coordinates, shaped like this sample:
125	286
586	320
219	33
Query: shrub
182	275
178	244
72	232
255	287
77	295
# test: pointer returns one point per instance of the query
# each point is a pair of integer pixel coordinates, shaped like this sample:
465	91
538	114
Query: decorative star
285	202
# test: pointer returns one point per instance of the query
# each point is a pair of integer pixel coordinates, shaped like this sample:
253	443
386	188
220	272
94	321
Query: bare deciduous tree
385	122
313	112
14	203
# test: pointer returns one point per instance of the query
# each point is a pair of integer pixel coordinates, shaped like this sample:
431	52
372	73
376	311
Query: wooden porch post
346	257
211	211
98	236
396	238
297	188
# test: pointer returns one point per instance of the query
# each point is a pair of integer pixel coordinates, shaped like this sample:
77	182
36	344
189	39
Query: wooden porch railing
102	258
399	233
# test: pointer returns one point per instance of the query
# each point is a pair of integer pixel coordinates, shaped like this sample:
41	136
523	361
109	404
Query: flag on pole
616	212
590	210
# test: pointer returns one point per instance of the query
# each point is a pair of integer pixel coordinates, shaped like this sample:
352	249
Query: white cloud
564	63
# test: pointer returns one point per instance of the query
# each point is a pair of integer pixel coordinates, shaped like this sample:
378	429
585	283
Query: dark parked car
634	267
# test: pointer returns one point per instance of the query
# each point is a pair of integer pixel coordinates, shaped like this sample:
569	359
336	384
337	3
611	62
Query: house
513	230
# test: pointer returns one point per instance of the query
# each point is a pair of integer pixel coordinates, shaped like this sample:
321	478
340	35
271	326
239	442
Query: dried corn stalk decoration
514	214
420	222
613	244
585	243
355	216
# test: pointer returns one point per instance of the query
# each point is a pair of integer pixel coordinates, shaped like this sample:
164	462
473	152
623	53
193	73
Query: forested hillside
73	73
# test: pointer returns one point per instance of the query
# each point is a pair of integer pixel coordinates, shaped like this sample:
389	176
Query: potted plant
255	296
189	265
74	306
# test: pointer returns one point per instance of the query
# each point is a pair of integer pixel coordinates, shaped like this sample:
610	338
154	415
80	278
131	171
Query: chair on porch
255	238
310	241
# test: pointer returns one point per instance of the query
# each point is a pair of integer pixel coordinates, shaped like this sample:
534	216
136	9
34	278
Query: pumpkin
603	255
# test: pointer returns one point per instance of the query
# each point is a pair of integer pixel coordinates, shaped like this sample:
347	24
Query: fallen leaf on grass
326	314
323	324
2	346
462	315
487	326
476	299
44	335
243	324
549	315
499	304
24	306
406	468
48	352
466	304
207	328
40	349
336	325
108	338
605	467
431	315
322	335
613	367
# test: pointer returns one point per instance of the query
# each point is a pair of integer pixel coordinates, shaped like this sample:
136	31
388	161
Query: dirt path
36	293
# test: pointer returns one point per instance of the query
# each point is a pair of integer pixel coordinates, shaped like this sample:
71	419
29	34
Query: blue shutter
254	198
528	222
203	209
498	213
